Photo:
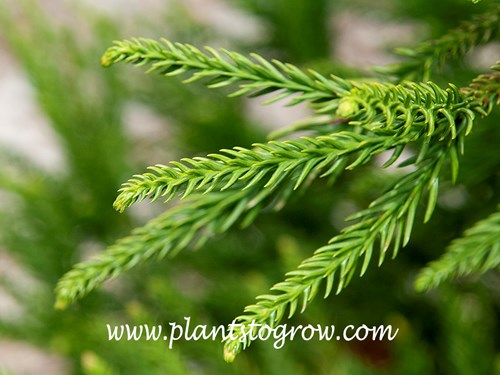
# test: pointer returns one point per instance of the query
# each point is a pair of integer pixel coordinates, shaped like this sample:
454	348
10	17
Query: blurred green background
72	132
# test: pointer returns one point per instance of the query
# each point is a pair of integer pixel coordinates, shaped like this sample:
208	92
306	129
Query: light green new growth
364	119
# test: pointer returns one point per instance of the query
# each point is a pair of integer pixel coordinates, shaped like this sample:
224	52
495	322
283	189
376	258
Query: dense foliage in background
57	219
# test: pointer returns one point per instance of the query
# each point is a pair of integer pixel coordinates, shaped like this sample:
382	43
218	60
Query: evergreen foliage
372	117
476	252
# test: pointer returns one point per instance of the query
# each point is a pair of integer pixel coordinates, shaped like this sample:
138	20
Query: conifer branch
188	225
477	252
225	68
427	56
267	166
